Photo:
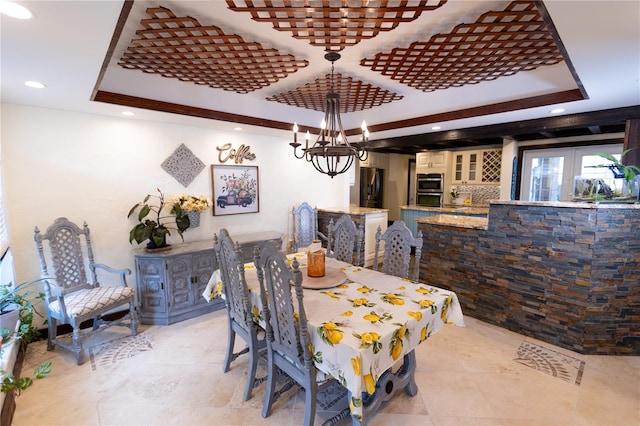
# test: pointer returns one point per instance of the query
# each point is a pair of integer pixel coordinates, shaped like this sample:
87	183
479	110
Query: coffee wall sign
226	152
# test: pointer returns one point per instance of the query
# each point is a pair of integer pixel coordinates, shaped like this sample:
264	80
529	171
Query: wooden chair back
288	340
398	241
346	240
240	320
305	226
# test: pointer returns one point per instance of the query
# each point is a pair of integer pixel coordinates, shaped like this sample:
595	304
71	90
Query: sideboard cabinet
170	283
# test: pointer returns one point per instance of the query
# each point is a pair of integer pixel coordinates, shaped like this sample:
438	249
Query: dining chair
71	297
305	226
239	314
345	238
398	241
288	340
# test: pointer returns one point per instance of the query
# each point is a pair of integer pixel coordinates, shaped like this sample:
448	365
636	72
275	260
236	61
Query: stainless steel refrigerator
371	187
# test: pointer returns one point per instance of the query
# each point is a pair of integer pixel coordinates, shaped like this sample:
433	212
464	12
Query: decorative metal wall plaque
183	165
226	152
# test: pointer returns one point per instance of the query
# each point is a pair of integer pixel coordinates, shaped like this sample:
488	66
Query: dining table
364	327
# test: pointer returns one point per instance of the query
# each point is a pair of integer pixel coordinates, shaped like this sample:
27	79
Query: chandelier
331	154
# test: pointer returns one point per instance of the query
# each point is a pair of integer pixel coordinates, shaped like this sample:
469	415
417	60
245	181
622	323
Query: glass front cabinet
478	167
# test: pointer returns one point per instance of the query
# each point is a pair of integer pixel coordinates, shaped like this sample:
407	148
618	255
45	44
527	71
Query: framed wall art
235	189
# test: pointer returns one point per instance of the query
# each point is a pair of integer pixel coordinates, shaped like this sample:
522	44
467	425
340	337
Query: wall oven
429	199
430	182
429	189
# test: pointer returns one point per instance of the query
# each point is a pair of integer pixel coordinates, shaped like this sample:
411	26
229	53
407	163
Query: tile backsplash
481	194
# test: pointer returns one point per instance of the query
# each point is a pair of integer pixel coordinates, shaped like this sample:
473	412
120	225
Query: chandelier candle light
331	154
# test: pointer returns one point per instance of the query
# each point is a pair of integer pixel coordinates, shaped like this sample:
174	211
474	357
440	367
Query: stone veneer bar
565	273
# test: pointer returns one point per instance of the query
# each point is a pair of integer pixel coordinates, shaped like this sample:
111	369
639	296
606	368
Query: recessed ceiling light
128	113
14	10
436	128
237	129
34	84
557	110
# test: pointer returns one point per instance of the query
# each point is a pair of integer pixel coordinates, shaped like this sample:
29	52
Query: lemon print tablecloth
363	326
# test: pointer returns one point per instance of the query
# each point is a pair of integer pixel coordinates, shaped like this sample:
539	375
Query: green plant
619	170
10	297
9	382
13	297
153	224
454	193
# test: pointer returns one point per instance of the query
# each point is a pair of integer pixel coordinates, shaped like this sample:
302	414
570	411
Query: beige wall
396	169
94	168
397	184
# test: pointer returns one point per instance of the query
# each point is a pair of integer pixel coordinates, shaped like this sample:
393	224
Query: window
548	174
4	233
546	179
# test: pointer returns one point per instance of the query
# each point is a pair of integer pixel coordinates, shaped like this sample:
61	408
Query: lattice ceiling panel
181	48
334	24
497	44
354	94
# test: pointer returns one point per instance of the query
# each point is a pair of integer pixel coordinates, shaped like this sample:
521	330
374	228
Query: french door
548	174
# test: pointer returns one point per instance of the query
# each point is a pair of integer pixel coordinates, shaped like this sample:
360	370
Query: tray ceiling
406	65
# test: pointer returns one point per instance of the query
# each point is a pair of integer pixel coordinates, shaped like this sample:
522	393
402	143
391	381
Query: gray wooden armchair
288	339
305	226
240	320
398	241
70	297
346	240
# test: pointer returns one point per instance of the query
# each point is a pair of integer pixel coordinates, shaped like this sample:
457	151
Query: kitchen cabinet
170	283
432	161
477	167
370	217
376	159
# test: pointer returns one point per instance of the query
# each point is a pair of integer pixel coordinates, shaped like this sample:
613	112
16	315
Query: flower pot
152	246
9	317
194	219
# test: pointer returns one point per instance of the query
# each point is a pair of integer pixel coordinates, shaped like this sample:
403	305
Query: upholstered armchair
73	297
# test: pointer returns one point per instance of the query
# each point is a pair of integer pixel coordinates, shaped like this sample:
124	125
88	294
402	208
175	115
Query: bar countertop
451	209
607	204
353	210
456	220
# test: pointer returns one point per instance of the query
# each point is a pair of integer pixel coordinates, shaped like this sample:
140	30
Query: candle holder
316	263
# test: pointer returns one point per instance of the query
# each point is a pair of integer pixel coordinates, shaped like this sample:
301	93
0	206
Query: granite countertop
470	209
607	204
188	247
353	210
456	221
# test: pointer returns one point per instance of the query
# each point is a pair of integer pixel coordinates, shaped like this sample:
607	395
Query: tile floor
473	375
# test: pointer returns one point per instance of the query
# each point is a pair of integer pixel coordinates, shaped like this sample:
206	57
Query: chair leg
253	367
53	330
133	316
310	404
271	387
231	340
77	344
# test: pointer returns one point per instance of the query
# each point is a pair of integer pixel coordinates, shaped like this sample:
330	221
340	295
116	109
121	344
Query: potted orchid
154	224
191	206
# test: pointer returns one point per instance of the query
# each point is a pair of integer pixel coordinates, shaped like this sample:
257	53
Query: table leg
388	383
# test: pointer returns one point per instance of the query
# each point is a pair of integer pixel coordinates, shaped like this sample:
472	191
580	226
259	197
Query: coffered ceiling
405	67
